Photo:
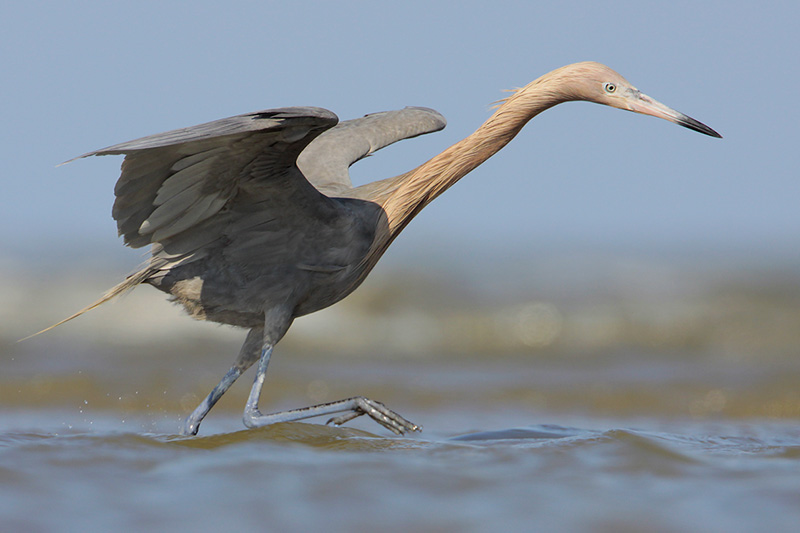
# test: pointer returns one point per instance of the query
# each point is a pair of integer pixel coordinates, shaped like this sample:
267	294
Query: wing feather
186	181
196	158
203	208
172	181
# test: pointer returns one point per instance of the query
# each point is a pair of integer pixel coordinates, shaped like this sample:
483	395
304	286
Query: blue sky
78	76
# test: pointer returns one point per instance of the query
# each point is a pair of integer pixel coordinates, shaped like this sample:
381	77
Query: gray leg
192	423
247	356
353	407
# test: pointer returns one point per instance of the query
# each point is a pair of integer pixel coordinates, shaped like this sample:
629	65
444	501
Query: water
647	399
305	477
619	441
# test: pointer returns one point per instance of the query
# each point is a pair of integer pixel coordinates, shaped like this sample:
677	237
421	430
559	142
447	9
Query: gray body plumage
257	211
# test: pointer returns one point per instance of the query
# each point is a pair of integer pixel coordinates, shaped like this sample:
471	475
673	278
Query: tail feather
130	282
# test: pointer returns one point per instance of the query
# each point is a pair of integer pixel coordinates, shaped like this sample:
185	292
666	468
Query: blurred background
629	265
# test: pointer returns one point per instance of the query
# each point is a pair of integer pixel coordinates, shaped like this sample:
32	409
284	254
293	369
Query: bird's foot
351	407
192	422
378	412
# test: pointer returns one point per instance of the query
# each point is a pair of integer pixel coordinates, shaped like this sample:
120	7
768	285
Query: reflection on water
647	401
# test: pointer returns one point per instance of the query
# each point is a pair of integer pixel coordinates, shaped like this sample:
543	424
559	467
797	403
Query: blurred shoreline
428	306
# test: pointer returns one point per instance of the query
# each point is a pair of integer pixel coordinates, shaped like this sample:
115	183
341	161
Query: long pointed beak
647	106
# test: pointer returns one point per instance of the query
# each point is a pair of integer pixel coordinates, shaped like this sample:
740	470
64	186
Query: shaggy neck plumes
402	197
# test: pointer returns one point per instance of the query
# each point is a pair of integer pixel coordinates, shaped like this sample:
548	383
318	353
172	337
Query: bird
253	221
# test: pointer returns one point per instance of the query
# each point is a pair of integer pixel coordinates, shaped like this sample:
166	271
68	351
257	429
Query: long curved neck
404	196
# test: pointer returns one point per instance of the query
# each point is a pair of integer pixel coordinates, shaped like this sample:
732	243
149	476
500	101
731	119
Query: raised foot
351	407
378	412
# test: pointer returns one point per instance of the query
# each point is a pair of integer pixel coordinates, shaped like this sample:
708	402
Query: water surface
620	442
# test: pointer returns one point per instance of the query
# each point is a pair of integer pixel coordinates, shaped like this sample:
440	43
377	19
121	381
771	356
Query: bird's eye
610	87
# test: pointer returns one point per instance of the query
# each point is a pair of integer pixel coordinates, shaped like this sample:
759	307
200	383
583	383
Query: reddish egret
253	220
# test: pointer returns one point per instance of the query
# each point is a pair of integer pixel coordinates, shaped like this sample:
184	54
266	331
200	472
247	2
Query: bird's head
595	82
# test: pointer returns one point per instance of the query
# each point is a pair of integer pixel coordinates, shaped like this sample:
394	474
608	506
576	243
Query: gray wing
326	160
175	180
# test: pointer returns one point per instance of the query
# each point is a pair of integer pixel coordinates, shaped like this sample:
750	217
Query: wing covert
325	162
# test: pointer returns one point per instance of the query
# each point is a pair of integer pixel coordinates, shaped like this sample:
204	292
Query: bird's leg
352	407
247	356
251	412
192	423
